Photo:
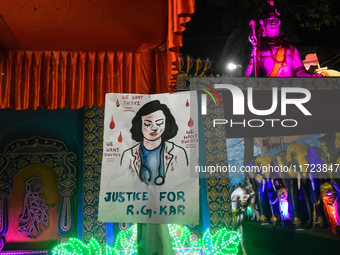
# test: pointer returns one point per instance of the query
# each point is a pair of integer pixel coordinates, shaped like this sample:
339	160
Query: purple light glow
313	159
284	209
24	252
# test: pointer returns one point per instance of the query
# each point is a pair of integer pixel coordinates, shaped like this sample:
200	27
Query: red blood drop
112	124
190	123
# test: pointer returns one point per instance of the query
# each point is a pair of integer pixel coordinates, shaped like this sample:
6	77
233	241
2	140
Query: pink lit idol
273	54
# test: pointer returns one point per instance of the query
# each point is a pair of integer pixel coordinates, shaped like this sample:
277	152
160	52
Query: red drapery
55	80
58	79
179	14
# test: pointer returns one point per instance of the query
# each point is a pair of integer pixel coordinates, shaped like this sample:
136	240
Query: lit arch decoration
51	153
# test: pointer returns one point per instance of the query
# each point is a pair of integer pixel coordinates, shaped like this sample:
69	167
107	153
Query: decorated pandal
298	188
296	191
290	195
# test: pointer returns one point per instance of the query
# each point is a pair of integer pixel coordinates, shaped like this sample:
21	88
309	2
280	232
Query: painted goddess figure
34	210
154	157
273	55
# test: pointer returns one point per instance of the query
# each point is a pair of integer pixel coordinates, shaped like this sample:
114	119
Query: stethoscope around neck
159	180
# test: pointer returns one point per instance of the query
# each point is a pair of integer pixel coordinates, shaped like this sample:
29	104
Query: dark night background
219	30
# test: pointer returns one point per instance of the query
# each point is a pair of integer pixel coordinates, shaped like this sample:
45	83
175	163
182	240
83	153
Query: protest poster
149	155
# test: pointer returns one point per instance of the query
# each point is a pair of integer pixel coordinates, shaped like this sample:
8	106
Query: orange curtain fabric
54	80
179	13
58	79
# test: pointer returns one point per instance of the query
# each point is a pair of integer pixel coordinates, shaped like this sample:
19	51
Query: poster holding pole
149	155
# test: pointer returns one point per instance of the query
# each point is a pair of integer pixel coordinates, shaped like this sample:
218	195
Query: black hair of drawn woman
171	127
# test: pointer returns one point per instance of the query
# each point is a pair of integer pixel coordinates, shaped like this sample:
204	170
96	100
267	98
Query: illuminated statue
240	199
34	210
282	198
255	215
304	183
265	188
272	54
330	205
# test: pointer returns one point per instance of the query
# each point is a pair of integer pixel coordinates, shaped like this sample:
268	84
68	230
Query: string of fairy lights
223	241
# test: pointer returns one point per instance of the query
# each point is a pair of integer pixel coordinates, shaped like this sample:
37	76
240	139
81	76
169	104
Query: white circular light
232	66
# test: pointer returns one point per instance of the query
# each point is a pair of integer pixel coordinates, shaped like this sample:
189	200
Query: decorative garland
325	150
337	140
224	241
264	161
300	151
279	160
328	156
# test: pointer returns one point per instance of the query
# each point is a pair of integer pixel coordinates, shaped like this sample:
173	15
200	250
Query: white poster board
149	156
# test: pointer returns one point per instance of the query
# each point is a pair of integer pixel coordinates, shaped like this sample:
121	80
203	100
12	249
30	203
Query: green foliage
236	13
313	14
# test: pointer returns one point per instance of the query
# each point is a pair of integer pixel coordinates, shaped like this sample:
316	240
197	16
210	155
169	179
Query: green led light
249	211
224	242
76	247
125	242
